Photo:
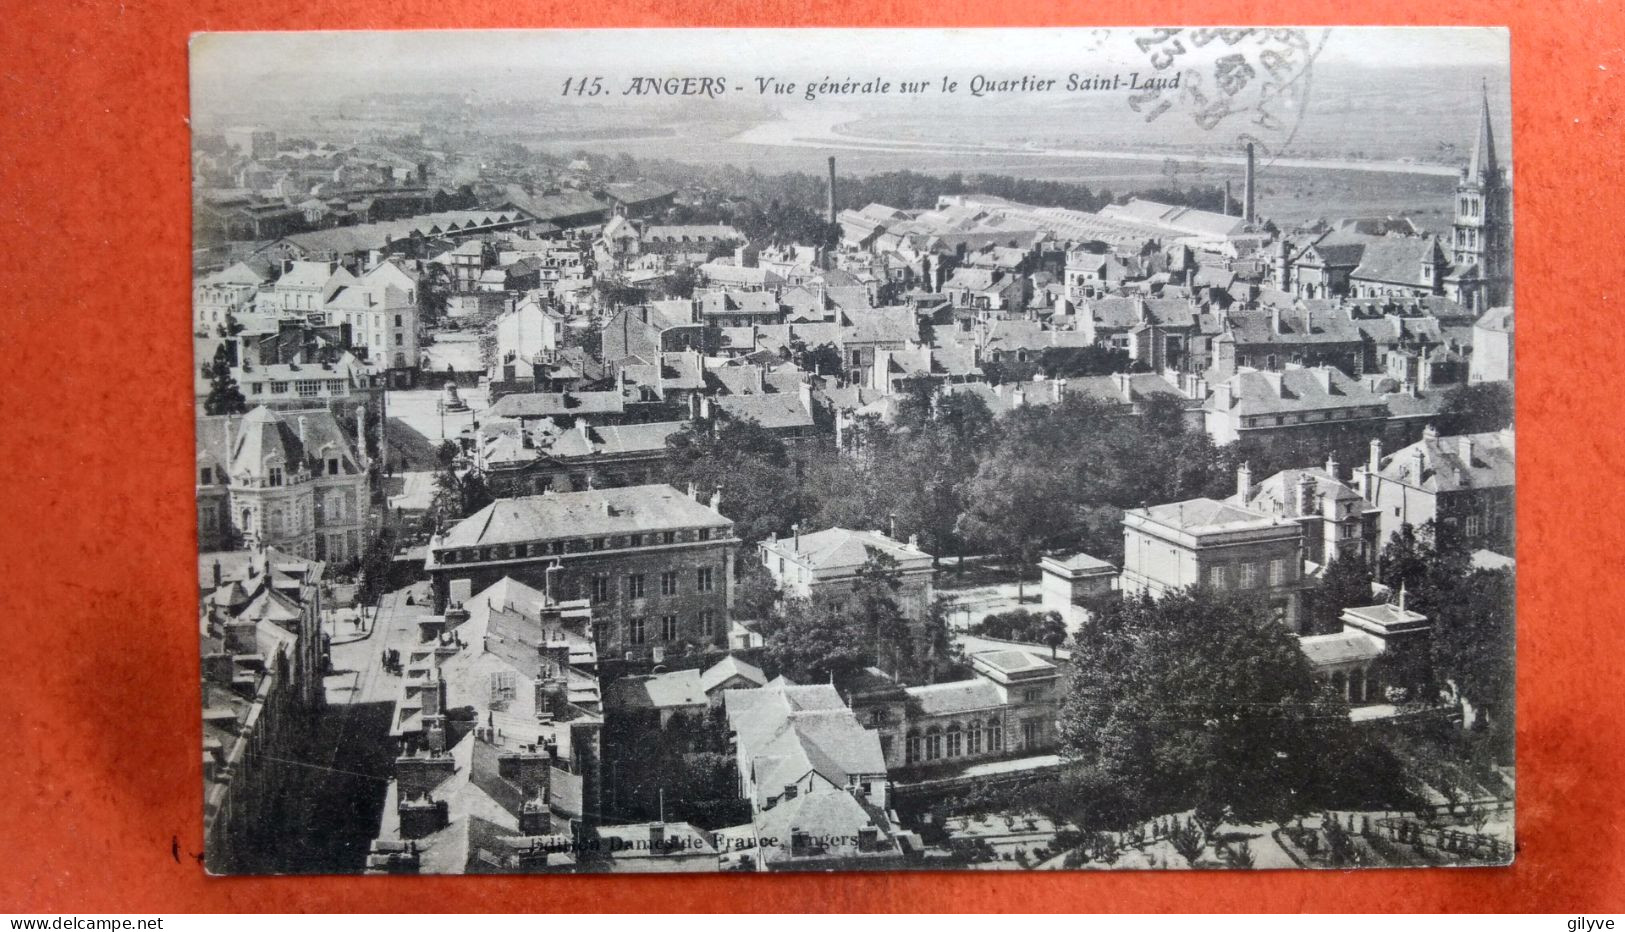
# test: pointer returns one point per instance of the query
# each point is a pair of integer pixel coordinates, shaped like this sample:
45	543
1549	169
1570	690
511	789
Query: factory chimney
831	218
1226	209
1250	190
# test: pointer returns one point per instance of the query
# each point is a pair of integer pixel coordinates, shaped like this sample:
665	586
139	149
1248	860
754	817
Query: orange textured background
98	685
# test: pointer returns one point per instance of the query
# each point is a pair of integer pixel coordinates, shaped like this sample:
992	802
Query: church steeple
1482	167
1481	235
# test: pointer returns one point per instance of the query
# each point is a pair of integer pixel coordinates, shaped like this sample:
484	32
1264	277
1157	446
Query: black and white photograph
750	450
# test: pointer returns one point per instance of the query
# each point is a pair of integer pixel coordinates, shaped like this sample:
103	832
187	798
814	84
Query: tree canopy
1201	698
225	395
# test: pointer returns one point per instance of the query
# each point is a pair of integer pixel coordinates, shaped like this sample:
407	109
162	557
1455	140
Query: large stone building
1294	402
1219	545
290	481
827	563
1464	483
656	565
263	655
1337	523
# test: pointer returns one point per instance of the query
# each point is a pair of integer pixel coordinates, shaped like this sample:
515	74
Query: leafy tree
1428	562
458	493
682	282
1201	698
1475	408
1474	643
759	483
225	395
756	595
820	639
1345	583
875	597
1189	841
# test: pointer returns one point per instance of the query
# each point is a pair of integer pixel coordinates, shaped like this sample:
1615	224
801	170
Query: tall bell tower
1482	232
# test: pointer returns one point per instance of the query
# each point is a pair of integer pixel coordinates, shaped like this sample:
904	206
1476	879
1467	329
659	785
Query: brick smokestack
1250	190
1226	208
831	217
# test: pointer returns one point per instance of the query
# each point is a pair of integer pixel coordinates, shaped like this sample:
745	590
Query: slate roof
1278	494
1201	514
1324	650
1444	464
957	698
263	433
550	404
1296	326
632	509
838	548
1398	259
739	302
1187	220
774	411
786	731
1122	313
1294	391
678	689
727	668
879	325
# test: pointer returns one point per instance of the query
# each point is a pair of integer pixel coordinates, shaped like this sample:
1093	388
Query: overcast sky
229	68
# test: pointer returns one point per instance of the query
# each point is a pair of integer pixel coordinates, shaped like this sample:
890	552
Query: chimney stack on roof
1244	482
1305	493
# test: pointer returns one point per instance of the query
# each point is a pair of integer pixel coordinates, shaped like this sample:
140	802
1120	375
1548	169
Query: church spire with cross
1481	234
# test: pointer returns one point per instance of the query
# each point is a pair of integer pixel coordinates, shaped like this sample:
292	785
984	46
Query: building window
308	388
634	630
705	533
1033	694
913	750
1215	577
332	465
1277	572
279	388
276	475
1031	729
634	586
668	537
1249	575
600	588
668	583
205	476
955	742
668	627
933	744
398	320
1472	525
973	738
598	544
995	736
636	540
708	623
502	685
702	579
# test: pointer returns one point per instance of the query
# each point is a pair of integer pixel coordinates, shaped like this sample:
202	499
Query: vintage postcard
763	450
